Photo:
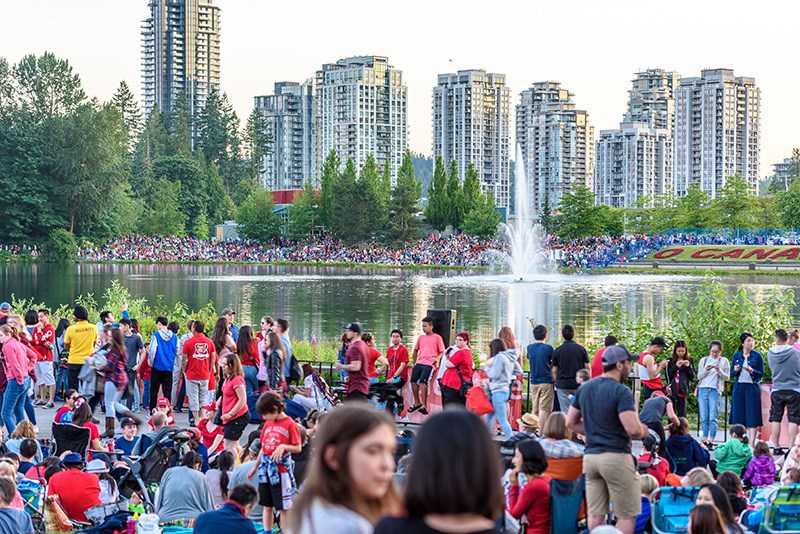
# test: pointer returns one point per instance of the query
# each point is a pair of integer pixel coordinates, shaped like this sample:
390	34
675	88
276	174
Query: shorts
234	428
421	373
785	399
542	397
356	396
44	374
612	478
197	391
270	495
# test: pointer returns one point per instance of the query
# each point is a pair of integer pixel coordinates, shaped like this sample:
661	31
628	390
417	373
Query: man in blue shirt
232	516
540	356
230	316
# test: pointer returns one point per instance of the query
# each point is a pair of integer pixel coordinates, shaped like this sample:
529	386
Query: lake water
319	300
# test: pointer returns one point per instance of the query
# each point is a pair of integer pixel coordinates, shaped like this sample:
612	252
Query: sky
592	47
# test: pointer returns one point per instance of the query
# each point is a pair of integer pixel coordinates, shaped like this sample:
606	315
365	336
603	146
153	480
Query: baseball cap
255	447
210	406
353	327
616	354
96	466
73	458
227	311
163	401
5	306
658	340
127	421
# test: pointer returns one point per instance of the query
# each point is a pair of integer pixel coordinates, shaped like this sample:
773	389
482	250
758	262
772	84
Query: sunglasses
74	398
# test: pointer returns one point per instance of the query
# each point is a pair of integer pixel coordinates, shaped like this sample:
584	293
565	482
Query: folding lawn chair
670	506
782	512
33	495
69	437
566	504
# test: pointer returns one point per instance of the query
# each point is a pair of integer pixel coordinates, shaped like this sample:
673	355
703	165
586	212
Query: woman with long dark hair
60	358
235	415
247	350
680	373
82	416
441	496
219	477
272	357
350	480
116	382
502	366
533	501
747	368
716	496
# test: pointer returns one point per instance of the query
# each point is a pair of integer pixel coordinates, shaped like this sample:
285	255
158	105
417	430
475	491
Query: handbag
55	518
477	401
465	385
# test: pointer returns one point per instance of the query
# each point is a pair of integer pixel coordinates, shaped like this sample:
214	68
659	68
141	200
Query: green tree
765	212
732	206
472	189
179	123
327	184
404	226
257	143
578	216
6	86
369	184
693	208
47	87
348	222
192	176
610	219
303	212
547	219
162	215
220	206
789	206
151	145
455	198
436	210
61	246
127	106
385	187
200	227
256	218
482	220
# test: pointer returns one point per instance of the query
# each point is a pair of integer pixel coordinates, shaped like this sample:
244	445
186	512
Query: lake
320	300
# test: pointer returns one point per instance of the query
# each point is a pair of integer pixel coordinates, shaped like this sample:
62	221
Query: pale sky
591	47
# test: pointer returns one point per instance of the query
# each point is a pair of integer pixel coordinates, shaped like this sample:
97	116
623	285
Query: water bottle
131	526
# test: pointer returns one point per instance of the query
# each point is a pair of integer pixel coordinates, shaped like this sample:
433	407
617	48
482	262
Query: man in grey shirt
239	476
784	361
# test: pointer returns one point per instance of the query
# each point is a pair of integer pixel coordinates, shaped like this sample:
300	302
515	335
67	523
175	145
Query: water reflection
319	300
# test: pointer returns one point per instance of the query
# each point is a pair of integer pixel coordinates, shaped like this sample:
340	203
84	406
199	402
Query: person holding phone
713	371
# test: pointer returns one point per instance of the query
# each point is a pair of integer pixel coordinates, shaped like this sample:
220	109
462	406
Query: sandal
414	408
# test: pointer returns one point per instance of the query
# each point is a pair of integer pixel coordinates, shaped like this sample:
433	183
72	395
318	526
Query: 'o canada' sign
729	253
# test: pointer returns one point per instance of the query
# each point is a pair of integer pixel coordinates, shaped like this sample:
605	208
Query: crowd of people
260	448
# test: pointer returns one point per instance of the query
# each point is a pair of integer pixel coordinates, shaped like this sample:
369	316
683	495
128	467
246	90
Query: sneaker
49	405
38	403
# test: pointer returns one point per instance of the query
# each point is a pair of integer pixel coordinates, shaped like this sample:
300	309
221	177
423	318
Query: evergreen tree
348	222
385	188
150	146
180	124
256	218
404	226
220	206
303	212
436	210
455	198
327	184
482	220
472	189
789	206
257	143
126	104
200	227
547	220
373	211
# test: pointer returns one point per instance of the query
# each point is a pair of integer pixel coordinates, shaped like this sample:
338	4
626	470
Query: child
144	370
648	485
164	407
761	469
790	462
280	438
583	375
734	454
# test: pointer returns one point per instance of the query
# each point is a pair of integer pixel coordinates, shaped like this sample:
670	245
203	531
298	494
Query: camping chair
782	512
566	505
69	437
568	469
670	507
33	495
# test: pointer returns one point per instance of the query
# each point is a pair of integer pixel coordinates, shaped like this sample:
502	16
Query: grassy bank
292	263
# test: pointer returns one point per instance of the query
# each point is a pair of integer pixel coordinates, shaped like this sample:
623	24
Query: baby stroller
33	495
670	508
782	512
144	473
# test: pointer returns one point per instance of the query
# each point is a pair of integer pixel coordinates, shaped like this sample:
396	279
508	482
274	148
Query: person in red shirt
280	438
461	360
235	415
399	370
356	364
163	405
212	434
597	360
198	363
42	340
375	356
534	500
78	491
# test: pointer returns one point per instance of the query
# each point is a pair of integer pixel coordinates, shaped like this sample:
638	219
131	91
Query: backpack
295	373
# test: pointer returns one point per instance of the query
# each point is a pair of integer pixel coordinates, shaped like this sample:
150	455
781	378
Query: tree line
736	206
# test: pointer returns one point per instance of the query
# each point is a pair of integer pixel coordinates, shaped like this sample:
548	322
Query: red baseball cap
212	406
163	401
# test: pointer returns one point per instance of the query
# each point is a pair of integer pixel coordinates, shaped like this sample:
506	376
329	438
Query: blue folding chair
670	507
566	501
782	512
